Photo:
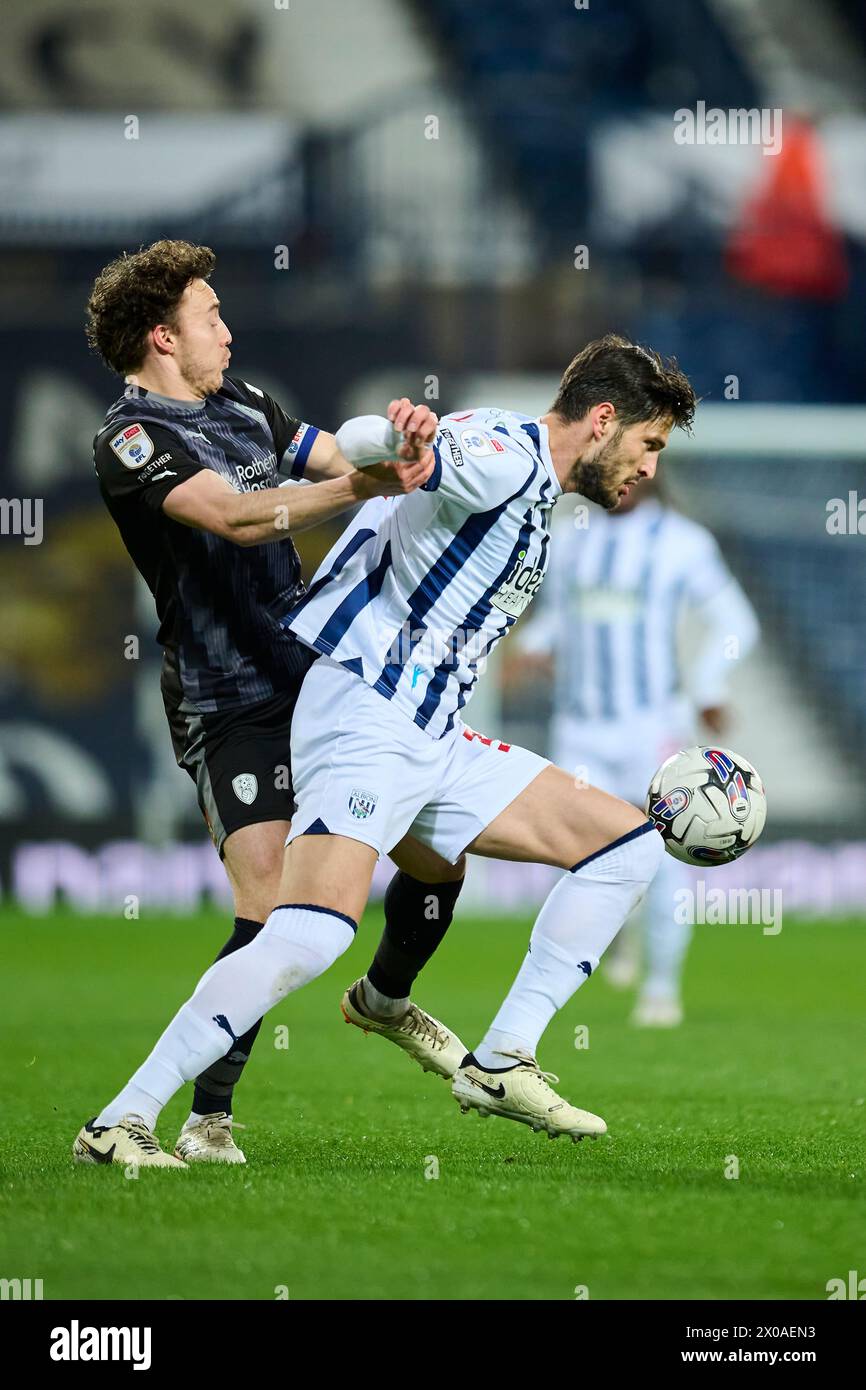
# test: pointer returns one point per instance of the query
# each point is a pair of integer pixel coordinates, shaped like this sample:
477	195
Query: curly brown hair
136	292
637	381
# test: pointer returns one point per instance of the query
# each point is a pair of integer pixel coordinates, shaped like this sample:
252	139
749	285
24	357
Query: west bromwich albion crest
362	804
246	787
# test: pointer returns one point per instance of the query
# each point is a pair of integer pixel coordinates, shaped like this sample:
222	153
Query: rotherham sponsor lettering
256	476
77	1343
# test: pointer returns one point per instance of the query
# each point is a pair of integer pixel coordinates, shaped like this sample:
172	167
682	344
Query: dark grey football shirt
219	604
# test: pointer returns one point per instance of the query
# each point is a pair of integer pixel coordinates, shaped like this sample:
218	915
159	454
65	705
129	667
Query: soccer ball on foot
708	805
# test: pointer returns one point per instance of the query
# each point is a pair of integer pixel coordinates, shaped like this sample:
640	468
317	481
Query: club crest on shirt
362	804
246	787
133	446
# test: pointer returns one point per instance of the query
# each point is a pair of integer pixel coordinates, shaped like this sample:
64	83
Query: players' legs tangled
253	858
322	892
306	932
419	907
506	803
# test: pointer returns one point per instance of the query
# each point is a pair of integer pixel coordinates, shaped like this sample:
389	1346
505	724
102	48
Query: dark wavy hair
136	292
639	383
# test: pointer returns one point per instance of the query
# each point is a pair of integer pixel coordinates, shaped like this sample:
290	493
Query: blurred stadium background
443	200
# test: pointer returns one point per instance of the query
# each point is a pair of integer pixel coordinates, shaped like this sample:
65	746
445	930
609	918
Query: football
708	804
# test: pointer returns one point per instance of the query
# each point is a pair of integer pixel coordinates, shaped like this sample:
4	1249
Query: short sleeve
703	566
293	439
478	468
138	459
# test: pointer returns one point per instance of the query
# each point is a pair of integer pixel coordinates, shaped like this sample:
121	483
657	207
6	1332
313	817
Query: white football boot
423	1037
130	1142
209	1140
523	1093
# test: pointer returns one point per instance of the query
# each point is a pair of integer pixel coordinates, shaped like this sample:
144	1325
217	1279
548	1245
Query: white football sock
577	923
296	944
666	938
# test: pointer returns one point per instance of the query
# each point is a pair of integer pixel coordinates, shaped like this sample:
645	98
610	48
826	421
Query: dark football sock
214	1087
417	916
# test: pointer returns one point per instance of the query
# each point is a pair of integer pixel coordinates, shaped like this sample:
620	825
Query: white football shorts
361	768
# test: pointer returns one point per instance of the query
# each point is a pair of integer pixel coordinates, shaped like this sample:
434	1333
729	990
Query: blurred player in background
610	620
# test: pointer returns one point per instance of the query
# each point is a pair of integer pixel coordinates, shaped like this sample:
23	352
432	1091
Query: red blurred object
785	242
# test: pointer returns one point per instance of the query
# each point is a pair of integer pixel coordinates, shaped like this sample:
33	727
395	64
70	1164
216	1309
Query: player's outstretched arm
209	502
367	441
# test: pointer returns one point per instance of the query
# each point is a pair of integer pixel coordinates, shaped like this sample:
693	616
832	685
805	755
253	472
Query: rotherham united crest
245	787
362	804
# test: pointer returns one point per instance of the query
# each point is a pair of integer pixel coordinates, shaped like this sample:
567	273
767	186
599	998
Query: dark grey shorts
240	760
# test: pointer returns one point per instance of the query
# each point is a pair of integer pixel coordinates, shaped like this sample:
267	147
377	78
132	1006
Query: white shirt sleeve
367	440
481	469
728	622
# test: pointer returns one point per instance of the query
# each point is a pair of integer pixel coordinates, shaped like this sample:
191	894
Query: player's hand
414	462
394	479
716	718
416	423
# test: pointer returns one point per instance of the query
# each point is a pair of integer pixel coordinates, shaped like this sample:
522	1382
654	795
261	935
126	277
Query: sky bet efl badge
133	446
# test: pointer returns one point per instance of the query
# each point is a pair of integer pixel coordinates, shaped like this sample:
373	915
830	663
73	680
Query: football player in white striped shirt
610	621
403	612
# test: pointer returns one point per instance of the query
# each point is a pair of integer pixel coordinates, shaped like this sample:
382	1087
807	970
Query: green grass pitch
334	1202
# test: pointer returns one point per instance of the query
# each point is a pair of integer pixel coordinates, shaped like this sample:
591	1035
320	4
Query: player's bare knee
255	879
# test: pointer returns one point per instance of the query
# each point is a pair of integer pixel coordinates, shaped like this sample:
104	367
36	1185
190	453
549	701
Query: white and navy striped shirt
612	608
418	589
